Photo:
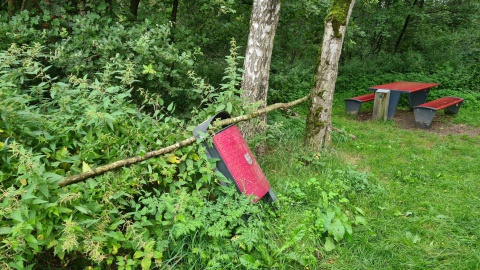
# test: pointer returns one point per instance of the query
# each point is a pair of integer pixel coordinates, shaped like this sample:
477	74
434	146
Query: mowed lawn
427	214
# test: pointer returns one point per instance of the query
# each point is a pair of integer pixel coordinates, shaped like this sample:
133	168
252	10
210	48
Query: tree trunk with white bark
319	120
265	14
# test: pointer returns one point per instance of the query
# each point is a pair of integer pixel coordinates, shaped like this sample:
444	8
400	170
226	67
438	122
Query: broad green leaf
329	244
44	189
348	228
180	217
146	262
114	226
138	254
110	124
16	215
5	230
337	229
31	239
173	159
82	209
249	261
220	107
88	222
170	107
229	107
39	201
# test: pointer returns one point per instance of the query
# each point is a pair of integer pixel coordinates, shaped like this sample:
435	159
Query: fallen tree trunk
133	160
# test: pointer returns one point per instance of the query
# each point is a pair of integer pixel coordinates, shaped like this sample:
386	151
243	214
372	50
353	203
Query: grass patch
420	194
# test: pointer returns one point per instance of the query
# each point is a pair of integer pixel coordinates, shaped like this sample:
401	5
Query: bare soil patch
442	124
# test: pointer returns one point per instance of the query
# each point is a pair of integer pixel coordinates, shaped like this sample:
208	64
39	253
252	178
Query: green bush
165	211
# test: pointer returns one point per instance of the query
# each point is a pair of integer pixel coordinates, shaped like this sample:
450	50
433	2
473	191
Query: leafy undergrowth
391	199
166	212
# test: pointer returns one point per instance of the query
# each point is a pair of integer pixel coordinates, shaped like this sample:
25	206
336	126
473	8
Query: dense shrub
136	217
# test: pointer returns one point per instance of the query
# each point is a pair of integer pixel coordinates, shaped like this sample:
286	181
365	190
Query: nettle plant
165	212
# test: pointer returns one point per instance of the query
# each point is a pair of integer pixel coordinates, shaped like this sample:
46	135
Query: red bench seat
424	113
354	104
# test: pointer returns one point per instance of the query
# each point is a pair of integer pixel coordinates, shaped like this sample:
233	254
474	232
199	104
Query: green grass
426	213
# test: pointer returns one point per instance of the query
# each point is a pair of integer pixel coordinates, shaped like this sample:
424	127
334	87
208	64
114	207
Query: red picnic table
417	93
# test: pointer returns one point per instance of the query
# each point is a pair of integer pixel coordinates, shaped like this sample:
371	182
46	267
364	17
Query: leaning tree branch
133	160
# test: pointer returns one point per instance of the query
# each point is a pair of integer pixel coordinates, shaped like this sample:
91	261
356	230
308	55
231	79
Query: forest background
86	83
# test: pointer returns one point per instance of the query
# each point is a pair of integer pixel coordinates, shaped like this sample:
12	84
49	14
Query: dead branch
344	132
133	160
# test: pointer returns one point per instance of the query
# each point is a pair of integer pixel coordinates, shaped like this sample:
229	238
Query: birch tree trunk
319	120
265	14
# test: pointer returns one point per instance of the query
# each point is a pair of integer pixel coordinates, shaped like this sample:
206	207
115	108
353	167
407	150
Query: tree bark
81	6
173	15
134	7
133	160
11	5
319	120
405	25
265	14
173	19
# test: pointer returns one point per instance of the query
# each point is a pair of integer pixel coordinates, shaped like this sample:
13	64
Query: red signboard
241	163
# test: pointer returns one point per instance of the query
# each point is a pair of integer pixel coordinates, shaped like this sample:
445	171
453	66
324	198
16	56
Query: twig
344	132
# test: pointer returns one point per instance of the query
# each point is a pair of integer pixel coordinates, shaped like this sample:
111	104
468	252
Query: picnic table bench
417	94
354	104
424	113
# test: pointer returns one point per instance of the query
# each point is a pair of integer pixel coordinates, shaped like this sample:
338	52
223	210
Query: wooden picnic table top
405	86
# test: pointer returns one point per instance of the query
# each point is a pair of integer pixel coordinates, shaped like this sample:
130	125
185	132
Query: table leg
392	104
417	98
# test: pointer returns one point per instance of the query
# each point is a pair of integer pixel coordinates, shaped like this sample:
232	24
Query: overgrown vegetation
83	86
